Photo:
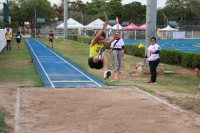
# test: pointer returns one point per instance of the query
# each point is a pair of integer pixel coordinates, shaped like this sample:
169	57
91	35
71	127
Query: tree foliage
183	11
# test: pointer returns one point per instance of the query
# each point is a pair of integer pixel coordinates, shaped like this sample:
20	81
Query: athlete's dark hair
153	38
103	34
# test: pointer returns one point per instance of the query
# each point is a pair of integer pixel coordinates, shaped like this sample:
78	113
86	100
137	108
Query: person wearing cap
51	35
197	71
8	36
117	49
98	59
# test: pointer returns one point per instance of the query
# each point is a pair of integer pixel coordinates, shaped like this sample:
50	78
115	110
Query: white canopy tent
169	32
168	28
96	24
71	24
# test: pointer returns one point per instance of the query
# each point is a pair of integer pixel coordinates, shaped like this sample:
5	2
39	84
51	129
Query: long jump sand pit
98	110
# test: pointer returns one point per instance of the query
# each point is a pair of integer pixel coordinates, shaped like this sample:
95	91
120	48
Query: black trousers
153	65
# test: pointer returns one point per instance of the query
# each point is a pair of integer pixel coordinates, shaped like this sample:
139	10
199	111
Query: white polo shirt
153	48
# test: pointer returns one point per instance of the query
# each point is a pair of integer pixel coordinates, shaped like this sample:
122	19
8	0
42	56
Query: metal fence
191	31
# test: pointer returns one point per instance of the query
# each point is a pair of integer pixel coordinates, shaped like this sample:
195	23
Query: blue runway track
56	71
180	45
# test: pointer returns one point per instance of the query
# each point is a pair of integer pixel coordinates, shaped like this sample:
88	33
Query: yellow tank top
94	50
8	35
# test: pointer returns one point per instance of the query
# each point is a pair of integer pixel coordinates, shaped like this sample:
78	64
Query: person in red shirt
51	35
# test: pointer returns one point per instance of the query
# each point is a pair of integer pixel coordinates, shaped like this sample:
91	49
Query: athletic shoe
116	76
100	55
151	82
107	74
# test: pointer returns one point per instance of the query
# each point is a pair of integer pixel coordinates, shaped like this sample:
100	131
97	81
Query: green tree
97	9
134	12
114	8
25	10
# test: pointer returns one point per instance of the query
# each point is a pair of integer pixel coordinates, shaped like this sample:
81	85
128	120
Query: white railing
2	39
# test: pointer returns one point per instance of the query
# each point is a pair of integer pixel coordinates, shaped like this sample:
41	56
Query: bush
171	57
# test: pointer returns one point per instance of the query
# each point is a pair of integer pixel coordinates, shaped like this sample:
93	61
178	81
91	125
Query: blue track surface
56	71
181	45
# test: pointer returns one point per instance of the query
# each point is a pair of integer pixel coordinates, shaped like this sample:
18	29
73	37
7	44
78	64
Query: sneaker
116	76
107	74
100	55
151	82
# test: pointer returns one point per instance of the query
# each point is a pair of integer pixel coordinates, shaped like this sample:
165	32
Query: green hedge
172	57
82	39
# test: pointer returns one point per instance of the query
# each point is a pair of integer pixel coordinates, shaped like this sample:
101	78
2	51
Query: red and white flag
117	23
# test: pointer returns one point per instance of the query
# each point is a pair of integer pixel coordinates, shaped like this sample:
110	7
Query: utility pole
151	13
65	19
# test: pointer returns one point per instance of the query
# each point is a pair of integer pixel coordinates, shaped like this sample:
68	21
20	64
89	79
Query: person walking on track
117	49
51	36
153	57
97	57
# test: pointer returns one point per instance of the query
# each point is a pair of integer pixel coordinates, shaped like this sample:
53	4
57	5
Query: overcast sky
160	3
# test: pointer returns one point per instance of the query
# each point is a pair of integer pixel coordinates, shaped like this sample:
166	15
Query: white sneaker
107	74
100	55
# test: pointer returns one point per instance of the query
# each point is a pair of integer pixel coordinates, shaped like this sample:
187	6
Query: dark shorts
18	40
51	40
8	40
97	65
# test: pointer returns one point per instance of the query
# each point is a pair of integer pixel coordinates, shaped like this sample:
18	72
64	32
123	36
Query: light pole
131	18
82	17
106	15
165	18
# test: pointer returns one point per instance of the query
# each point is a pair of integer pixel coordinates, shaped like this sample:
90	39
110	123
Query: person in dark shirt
51	36
18	39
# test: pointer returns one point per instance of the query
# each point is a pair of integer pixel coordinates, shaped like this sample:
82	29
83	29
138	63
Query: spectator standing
117	49
153	57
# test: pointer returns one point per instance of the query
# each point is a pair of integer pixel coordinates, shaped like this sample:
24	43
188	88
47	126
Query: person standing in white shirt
117	49
153	57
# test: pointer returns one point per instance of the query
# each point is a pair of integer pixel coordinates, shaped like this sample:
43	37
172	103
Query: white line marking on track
41	66
79	81
70	64
17	111
160	100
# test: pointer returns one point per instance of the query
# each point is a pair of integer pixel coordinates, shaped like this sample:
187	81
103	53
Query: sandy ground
93	110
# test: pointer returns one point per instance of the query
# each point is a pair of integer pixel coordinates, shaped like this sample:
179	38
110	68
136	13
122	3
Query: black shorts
50	40
18	40
8	40
92	64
